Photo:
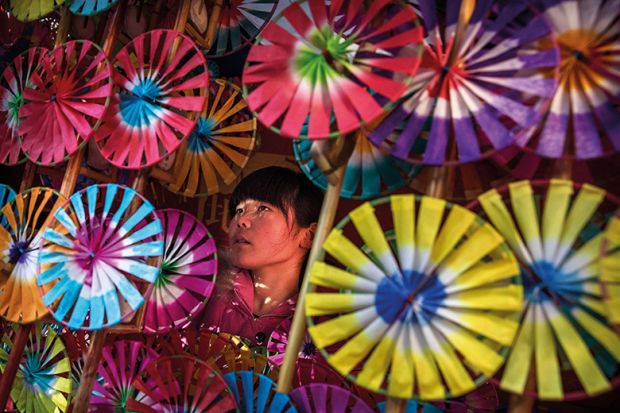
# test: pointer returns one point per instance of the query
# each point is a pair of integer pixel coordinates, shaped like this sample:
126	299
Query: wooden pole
17	349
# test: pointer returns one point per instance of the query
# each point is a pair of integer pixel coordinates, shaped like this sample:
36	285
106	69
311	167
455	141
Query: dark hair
283	188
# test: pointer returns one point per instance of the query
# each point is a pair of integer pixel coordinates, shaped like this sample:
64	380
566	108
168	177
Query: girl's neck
273	286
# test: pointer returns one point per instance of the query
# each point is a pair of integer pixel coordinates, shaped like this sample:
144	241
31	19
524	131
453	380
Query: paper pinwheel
424	308
327	398
121	363
245	359
6	195
181	384
101	250
276	346
187	275
412	406
583	120
203	344
369	173
482	400
22	222
222	28
467	102
155	105
256	393
333	66
610	271
220	145
315	370
15	78
556	229
76	343
29	10
43	380
90	7
66	101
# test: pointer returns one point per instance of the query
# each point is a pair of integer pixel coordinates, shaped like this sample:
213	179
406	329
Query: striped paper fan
64	102
243	358
256	393
155	104
29	10
327	398
181	384
469	101
98	255
417	298
556	228
22	222
219	147
334	67
90	7
610	271
43	380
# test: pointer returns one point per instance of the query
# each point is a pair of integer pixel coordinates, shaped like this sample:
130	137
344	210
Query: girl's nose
243	220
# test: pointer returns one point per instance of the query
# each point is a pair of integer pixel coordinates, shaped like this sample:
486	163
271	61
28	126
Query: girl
274	213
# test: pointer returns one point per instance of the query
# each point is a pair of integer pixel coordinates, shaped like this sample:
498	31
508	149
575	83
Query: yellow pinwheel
564	341
416	298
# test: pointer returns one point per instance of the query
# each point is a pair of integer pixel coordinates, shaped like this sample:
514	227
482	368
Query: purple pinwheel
327	398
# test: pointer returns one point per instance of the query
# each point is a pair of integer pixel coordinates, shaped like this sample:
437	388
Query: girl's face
261	236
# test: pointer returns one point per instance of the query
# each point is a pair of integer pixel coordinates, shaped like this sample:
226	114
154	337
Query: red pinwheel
155	105
15	78
187	275
65	101
331	66
476	91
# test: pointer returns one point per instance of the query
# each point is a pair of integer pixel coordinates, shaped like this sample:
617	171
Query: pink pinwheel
187	275
155	105
327	398
121	362
181	384
276	346
332	67
15	78
476	91
66	101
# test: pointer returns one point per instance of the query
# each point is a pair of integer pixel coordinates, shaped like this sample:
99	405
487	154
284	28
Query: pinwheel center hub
30	367
18	252
202	134
543	281
308	349
14	103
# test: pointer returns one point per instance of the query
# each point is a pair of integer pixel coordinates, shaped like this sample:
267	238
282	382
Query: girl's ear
308	236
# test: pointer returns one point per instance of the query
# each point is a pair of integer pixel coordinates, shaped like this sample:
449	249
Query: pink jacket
229	310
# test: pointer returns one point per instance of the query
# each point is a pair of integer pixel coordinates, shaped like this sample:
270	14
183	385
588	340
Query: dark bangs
283	188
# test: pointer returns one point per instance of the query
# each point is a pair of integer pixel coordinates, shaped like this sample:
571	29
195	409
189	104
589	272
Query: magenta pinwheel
181	384
470	101
327	398
276	346
204	344
564	347
222	28
583	120
331	66
98	255
121	363
15	78
187	275
155	105
65	101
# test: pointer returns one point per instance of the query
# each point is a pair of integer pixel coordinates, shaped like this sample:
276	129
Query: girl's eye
238	211
263	208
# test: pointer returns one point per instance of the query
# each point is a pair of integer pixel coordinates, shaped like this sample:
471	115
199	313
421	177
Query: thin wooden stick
212	24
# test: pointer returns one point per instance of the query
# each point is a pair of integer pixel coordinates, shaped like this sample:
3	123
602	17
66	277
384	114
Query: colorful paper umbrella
610	271
66	101
369	173
222	28
219	147
327	398
425	308
276	346
43	380
121	363
333	66
29	10
412	406
90	7
187	276
181	384
155	105
473	100
256	393
15	78
556	229
583	120
245	359
100	252
22	222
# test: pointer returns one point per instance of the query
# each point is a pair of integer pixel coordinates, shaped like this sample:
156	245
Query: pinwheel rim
362	124
110	4
502	350
308	387
56	6
156	260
